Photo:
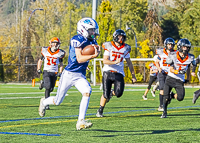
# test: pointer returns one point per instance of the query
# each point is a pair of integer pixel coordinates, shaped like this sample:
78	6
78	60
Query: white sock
48	101
83	107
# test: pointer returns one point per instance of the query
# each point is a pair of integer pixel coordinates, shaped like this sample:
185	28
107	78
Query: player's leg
65	83
169	83
151	80
53	79
161	77
196	93
180	90
47	83
155	87
84	87
118	85
107	84
195	96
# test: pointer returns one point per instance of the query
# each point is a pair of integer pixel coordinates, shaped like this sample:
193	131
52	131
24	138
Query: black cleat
47	107
99	114
195	97
41	85
164	115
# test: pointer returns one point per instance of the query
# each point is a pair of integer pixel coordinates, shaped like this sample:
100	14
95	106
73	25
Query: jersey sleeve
77	41
62	53
43	49
106	48
128	50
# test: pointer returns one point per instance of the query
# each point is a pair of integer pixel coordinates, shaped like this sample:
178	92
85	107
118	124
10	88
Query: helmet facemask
55	47
184	43
167	42
116	36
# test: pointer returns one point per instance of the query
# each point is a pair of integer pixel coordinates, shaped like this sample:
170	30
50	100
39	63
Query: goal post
100	60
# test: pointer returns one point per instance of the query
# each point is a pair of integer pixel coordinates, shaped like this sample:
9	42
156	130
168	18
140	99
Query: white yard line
67	92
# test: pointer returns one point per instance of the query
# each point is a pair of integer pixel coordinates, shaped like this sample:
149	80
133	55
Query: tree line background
21	41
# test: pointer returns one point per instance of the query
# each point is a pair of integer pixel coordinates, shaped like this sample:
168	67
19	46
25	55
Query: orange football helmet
55	40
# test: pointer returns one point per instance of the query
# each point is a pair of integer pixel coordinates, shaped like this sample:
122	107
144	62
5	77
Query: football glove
183	71
59	74
39	71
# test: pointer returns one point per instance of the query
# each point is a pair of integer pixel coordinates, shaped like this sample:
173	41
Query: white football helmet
84	25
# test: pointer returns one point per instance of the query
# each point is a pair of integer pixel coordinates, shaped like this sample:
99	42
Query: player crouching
179	63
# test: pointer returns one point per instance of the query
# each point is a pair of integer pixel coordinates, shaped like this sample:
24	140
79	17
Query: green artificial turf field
127	119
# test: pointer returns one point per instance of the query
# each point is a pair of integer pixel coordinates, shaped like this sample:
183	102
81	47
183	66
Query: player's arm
84	58
153	71
194	64
39	64
158	65
61	65
106	60
130	65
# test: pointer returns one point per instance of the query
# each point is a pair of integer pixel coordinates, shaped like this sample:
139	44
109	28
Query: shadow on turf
131	107
145	132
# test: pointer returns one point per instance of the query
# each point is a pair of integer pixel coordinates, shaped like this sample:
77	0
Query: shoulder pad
77	41
106	45
159	51
128	47
62	53
43	50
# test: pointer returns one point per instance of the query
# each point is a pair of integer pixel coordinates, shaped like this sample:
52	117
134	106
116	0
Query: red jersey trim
53	52
179	58
122	46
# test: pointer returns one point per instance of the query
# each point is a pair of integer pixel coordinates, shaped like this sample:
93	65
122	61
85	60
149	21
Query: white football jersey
115	52
162	56
153	67
51	59
180	64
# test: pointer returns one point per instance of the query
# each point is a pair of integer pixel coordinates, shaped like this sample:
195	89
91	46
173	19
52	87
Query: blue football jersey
78	41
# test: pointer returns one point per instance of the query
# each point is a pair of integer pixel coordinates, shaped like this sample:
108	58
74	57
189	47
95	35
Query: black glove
39	71
58	74
183	71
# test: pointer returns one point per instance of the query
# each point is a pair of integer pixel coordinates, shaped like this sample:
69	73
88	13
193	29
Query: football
89	50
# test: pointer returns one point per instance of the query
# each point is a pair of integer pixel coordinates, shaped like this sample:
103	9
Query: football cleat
47	107
42	108
153	93
144	97
83	124
164	115
41	85
160	108
99	114
195	97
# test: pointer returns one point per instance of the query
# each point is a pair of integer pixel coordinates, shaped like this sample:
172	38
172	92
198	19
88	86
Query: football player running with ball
74	73
51	56
179	63
163	67
113	70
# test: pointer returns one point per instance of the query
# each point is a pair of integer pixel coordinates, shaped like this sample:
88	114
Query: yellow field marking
56	122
